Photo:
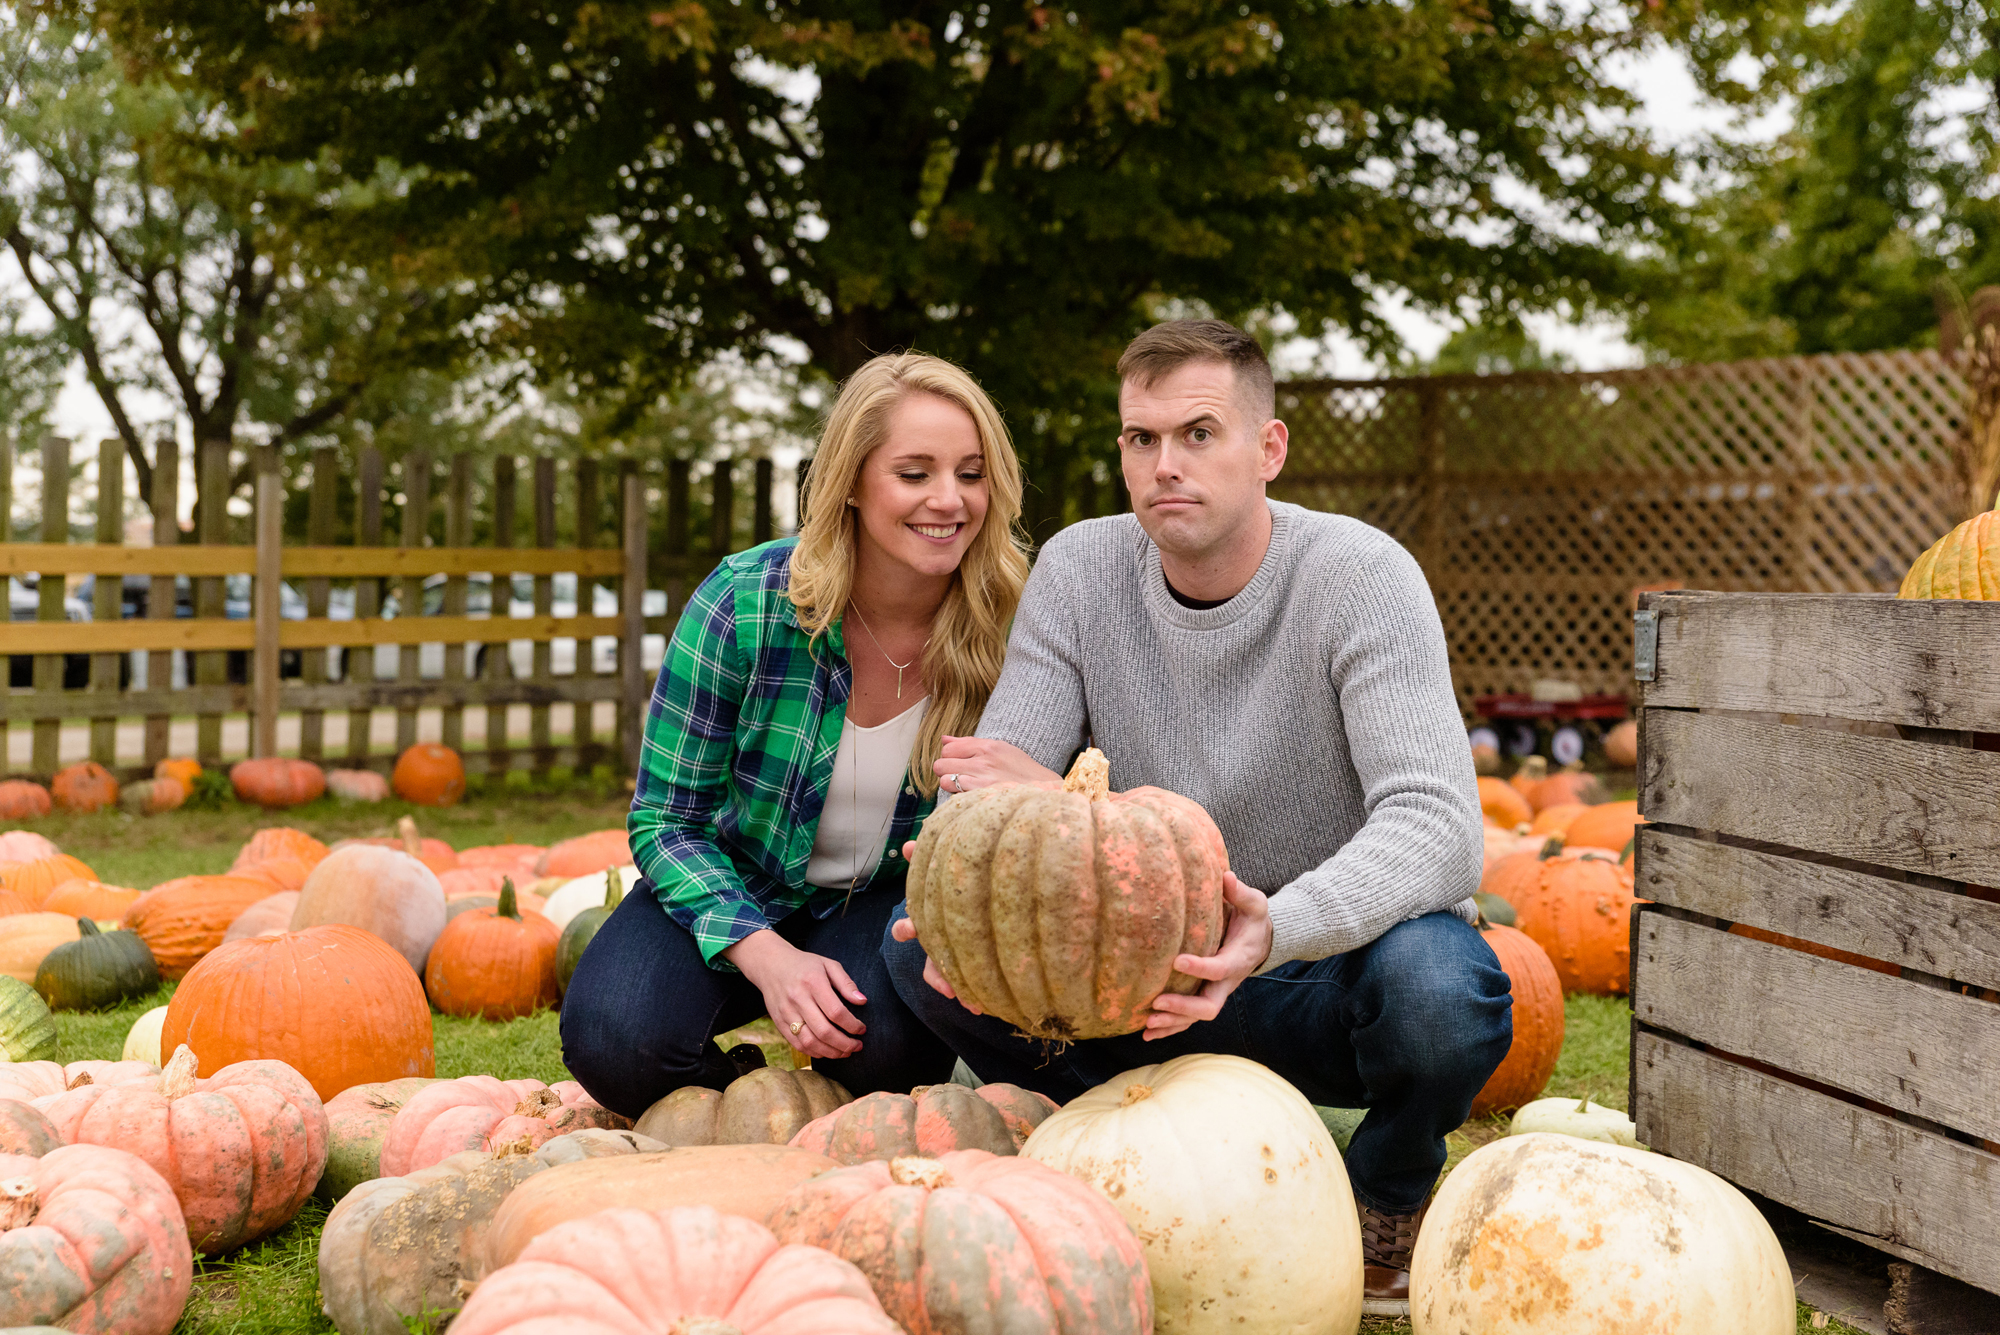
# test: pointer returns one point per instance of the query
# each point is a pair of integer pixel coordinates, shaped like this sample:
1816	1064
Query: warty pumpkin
153	797
429	774
280	841
184	768
1538	1023
23	799
1577	905
379	890
86	786
357	1119
277	782
91	899
1609	825
1060	908
585	854
27	1029
497	963
26	939
1233	1185
34	879
580	931
241	1150
1622	1240
97	970
929	1121
686	1270
478	1112
334	1003
395	1247
183	919
357	785
269	916
92	1237
1502	804
762	1107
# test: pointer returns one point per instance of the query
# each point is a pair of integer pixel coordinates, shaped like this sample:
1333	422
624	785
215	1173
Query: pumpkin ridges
33	881
85	787
184	919
91	899
1538	1023
1578	909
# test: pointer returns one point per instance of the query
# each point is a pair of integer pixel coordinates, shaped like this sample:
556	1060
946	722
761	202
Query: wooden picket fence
470	680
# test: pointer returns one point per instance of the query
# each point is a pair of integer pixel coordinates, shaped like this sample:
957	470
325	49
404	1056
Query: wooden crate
1820	766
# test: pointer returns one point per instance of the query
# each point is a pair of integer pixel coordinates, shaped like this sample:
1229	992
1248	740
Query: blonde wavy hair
968	639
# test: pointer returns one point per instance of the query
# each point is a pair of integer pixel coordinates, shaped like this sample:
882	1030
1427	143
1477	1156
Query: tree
1017	186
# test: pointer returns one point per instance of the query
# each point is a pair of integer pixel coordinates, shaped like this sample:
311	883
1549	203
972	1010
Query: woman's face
922	492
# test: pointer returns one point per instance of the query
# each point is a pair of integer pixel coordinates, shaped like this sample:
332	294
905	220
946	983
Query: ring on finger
796	1026
958	783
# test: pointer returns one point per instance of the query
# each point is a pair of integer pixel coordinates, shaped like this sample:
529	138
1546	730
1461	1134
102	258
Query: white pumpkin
584	892
142	1040
1551	1235
1234	1188
1576	1117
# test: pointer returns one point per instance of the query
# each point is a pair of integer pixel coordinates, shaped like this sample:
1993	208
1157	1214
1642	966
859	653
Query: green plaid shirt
738	752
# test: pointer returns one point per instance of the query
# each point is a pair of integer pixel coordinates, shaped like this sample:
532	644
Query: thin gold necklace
900	667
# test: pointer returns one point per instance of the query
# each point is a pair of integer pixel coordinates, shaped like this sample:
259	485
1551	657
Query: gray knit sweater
1312	715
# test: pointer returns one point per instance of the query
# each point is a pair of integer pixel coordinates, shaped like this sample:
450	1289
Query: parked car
135	598
24	603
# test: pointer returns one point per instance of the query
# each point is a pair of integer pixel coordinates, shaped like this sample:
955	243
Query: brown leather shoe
1386	1243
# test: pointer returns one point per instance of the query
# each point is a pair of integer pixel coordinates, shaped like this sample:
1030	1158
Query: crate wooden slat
1815	767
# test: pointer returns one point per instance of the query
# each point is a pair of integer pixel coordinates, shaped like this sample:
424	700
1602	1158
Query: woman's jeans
643	1005
1409	1027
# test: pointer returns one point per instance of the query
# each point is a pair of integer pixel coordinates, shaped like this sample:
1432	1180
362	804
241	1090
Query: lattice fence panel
1538	502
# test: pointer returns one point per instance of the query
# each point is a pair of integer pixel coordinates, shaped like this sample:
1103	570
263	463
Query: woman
789	753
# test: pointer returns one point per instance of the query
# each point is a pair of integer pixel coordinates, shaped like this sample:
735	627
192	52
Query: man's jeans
1409	1027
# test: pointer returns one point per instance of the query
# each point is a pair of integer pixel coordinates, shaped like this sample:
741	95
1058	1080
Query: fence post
109	598
722	509
583	713
457	534
499	655
265	605
211	668
6	535
545	595
761	530
367	597
55	528
631	605
410	603
321	505
161	595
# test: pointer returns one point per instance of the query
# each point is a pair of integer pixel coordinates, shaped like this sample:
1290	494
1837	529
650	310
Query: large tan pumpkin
763	1107
1234	1186
379	890
1060	908
1551	1235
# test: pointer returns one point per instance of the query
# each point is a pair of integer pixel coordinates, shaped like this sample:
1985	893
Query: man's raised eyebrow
1202	419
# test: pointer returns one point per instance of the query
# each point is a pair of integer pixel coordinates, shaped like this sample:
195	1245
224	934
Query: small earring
853	502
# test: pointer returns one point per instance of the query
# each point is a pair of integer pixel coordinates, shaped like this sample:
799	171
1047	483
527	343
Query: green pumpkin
1494	909
578	933
96	970
27	1030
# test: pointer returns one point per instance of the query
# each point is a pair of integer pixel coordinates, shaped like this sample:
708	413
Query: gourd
357	785
580	931
96	970
1610	825
691	1271
142	1040
1538	1023
92	1237
184	768
269	916
379	890
26	939
946	1241
334	1003
1060	908
1502	804
24	799
430	775
153	797
586	854
34	879
497	963
183	919
1621	745
86	786
398	1247
277	782
478	1112
1576	1117
1619	1240
1577	905
762	1107
580	894
241	1150
90	899
280	841
27	1029
1232	1183
929	1121
357	1119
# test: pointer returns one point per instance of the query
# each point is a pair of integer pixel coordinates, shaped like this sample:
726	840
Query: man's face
1196	457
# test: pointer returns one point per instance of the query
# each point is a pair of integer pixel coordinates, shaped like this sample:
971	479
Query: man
1287	670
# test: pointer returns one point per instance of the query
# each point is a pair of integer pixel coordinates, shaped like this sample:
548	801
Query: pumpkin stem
1135	1093
614	888
82	1079
1552	848
1090	775
1535	767
914	1171
179	1077
85	927
406	830
17	1202
509	906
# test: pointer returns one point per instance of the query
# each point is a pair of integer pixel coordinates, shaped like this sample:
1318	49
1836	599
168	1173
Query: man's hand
1246	944
802	988
905	930
974	762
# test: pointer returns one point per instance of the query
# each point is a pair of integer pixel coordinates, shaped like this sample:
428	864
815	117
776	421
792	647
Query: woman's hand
974	762
802	989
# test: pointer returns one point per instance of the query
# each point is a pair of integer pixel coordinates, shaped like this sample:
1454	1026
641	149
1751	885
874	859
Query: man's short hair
1168	346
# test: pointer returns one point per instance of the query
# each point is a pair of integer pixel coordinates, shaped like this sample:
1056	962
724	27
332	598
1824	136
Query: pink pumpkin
585	854
518	858
27	846
357	785
479	1112
267	917
242	1150
39	1083
379	890
464	880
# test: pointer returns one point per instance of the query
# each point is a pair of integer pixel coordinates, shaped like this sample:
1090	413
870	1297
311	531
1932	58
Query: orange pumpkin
91	899
1621	745
433	853
497	963
85	787
430	775
33	881
378	890
27	938
335	1004
279	873
183	919
1538	1023
280	841
1501	804
1577	905
270	916
1557	819
23	799
1566	788
11	904
585	854
276	782
153	797
1610	825
185	768
242	1149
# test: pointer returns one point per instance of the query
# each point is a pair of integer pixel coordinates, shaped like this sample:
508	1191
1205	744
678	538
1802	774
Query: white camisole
869	772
